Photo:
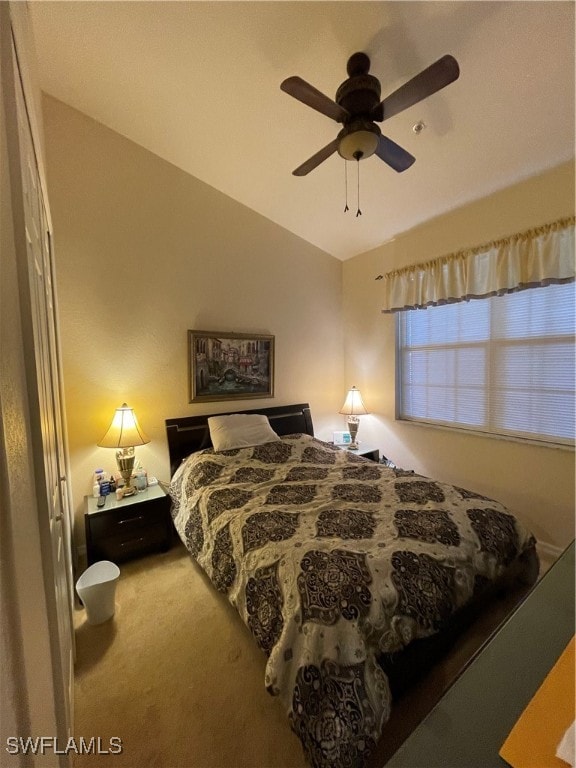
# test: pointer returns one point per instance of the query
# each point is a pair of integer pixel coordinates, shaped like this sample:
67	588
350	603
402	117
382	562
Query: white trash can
97	590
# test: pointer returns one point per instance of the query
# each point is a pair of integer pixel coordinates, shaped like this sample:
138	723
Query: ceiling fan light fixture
358	145
358	108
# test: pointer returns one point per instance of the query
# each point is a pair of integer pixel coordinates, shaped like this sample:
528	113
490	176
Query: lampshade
124	432
353	405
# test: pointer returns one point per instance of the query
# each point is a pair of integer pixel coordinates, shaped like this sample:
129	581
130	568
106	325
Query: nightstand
128	527
366	452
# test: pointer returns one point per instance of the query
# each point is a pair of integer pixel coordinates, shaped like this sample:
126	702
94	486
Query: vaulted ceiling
198	83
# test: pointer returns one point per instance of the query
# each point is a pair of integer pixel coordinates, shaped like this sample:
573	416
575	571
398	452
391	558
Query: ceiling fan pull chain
346	185
358	212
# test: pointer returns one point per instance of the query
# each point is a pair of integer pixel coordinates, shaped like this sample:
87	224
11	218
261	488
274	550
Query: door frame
36	700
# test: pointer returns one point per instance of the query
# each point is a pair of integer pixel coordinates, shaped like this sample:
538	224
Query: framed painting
229	366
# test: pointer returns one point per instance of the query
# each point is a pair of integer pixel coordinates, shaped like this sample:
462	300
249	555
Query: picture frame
229	366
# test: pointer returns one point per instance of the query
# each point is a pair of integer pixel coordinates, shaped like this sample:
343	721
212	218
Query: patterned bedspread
331	559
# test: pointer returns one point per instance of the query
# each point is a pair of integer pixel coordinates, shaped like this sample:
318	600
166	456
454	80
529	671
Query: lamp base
353	424
125	460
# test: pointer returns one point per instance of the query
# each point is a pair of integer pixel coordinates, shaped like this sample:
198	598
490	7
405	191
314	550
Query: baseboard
548	551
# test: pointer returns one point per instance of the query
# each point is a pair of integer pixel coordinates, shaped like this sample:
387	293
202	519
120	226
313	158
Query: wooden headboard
191	433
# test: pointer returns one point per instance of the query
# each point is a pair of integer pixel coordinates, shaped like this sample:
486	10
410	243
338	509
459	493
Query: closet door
50	470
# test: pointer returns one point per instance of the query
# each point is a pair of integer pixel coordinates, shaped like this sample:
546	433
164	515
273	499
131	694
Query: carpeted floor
177	677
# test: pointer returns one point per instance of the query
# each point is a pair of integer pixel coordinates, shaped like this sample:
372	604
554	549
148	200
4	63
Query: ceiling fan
358	106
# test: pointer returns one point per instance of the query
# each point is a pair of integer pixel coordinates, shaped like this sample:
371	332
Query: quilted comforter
331	560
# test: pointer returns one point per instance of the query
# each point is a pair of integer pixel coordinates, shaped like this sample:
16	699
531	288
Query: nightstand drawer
127	520
131	542
128	527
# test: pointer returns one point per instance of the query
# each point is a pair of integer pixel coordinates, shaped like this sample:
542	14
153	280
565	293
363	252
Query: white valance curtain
529	259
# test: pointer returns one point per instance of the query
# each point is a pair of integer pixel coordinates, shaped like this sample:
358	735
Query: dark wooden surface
190	433
124	530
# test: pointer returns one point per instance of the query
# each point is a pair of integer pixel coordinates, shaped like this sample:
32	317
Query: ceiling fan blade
307	94
432	79
393	155
316	159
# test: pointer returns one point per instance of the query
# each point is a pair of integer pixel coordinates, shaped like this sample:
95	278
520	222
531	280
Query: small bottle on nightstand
98	478
105	487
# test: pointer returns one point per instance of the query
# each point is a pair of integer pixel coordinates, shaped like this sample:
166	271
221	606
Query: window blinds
504	365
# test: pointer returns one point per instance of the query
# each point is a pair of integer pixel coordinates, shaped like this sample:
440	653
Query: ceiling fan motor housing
360	93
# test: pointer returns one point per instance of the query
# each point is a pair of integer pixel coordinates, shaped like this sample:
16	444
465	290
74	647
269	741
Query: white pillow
240	430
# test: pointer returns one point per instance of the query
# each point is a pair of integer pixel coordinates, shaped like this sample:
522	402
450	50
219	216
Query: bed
343	569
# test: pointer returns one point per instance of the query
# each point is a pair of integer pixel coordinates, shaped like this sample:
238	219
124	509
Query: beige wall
145	252
537	483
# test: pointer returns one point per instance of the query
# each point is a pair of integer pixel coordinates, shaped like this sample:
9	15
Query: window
503	365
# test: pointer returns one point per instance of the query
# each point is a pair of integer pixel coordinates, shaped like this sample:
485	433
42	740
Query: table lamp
123	434
352	408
